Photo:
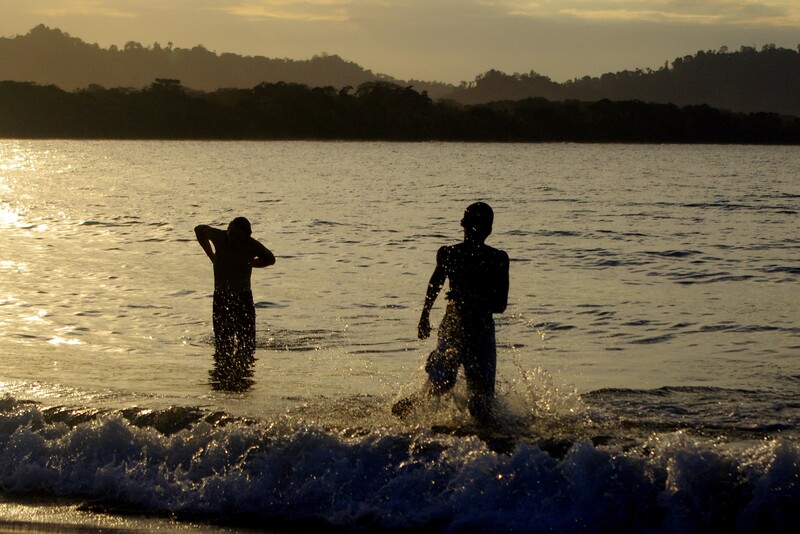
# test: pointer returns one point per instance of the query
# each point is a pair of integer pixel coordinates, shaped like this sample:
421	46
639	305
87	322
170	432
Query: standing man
234	254
478	276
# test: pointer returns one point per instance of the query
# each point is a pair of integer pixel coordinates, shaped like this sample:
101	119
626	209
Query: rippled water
654	289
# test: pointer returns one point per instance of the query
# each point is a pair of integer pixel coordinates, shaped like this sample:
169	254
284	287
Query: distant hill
746	81
50	56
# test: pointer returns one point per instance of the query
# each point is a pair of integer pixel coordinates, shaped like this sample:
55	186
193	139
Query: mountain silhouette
745	81
50	56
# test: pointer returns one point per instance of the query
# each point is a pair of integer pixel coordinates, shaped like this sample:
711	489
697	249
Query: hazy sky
445	40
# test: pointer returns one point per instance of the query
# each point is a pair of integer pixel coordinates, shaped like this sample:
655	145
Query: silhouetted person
478	276
234	254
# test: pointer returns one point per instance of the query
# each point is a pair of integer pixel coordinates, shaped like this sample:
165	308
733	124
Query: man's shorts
234	318
464	341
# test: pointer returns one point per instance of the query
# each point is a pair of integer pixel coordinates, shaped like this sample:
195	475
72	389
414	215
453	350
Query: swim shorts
467	342
234	317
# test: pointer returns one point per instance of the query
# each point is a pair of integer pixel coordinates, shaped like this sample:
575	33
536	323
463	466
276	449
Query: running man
478	276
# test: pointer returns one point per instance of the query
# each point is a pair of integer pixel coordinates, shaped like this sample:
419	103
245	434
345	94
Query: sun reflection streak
8	217
14	157
18	162
61	341
36	317
8	265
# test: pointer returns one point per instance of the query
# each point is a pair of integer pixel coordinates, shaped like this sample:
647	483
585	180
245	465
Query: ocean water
648	360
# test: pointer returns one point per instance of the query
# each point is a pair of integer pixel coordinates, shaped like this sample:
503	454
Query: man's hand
424	328
265	258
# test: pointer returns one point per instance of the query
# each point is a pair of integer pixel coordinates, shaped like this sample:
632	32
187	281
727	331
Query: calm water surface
656	285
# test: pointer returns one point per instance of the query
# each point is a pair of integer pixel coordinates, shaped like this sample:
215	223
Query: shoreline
44	514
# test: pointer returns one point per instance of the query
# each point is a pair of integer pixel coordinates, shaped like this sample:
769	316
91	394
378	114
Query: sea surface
649	359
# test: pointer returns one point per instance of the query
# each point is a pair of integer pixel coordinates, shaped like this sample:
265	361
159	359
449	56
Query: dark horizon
743	80
373	111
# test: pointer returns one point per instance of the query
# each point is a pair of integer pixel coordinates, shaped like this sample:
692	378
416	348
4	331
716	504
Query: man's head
477	221
239	228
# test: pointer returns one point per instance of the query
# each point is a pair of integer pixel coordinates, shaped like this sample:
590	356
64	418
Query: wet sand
48	515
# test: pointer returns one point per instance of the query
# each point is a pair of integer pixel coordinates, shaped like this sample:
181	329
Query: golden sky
445	40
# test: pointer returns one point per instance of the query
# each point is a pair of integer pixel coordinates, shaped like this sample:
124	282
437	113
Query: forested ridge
377	110
745	79
48	56
58	86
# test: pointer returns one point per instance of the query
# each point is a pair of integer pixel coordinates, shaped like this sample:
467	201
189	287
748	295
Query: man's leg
480	370
443	362
246	329
442	365
224	333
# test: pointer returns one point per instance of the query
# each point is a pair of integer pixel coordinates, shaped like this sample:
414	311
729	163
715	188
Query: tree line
746	80
376	110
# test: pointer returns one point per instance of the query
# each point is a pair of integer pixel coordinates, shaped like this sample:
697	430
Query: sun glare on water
61	341
8	217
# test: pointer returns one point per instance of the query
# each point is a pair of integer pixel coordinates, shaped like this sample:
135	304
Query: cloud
68	8
746	13
731	12
629	15
307	10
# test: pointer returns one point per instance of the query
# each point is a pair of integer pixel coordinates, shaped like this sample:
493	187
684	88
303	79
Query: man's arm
500	298
263	256
203	232
434	287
